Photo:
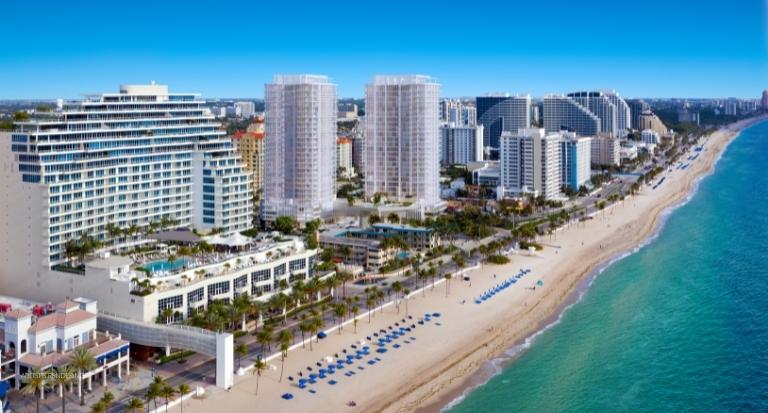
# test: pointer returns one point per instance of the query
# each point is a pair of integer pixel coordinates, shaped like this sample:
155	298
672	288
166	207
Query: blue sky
649	48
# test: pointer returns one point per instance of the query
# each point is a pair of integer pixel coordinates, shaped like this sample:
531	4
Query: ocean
681	325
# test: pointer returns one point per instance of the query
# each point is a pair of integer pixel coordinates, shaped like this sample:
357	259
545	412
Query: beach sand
444	359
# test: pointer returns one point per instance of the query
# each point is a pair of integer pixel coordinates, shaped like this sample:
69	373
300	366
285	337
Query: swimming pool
165	265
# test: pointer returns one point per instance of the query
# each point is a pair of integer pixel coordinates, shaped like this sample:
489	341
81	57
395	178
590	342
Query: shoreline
472	342
453	393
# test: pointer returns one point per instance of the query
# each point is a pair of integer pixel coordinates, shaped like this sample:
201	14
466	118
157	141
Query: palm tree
405	297
318	323
264	337
397	287
241	350
340	310
153	391
134	404
99	407
285	343
447	277
62	378
344	277
107	398
81	360
35	380
183	390
258	366
167	391
393	218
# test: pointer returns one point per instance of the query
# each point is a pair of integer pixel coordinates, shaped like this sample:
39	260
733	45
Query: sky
649	48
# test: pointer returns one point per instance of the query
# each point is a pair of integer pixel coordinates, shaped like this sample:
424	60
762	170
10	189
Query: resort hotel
136	199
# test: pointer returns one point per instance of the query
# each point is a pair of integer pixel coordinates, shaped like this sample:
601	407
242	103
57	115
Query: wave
496	366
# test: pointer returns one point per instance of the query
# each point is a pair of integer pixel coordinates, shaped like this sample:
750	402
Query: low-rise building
649	136
484	173
366	253
47	340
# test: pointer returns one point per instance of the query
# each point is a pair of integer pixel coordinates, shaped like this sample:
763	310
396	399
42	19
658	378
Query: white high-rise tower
402	157
299	147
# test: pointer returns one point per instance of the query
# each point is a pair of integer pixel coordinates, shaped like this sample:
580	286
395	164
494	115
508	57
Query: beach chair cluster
487	295
359	356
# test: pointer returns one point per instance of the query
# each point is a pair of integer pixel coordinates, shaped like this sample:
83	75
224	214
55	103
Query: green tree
393	218
241	350
284	224
134	405
167	391
183	390
81	360
258	367
285	338
35	382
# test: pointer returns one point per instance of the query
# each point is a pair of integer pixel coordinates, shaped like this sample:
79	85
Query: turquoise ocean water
679	326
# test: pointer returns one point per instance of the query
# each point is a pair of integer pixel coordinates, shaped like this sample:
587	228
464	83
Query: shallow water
681	325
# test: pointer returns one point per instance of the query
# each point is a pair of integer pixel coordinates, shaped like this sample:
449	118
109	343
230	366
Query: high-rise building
530	163
402	159
344	157
606	151
118	160
731	107
575	160
251	148
566	113
636	108
603	105
461	144
457	112
499	113
765	99
245	109
300	147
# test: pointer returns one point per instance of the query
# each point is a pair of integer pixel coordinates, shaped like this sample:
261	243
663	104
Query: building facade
128	159
650	136
461	144
245	109
530	164
344	157
251	148
649	120
565	113
300	147
500	113
606	151
636	108
575	160
402	159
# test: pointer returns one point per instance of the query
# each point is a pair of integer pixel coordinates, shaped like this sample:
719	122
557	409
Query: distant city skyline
688	49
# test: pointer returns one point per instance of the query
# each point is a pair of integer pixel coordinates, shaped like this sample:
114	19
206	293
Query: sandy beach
441	357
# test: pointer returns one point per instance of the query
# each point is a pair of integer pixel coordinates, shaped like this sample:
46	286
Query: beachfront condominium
575	160
460	145
299	147
530	164
500	113
649	120
124	160
402	159
609	107
566	113
606	151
